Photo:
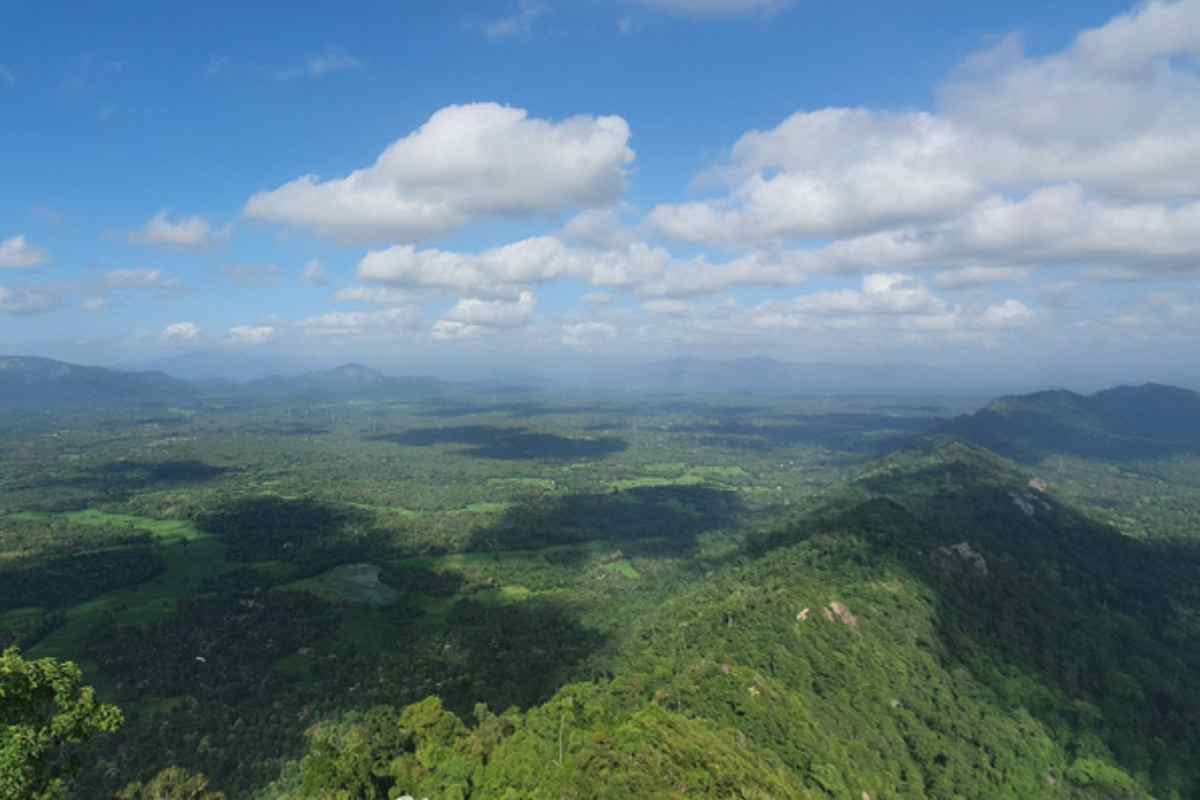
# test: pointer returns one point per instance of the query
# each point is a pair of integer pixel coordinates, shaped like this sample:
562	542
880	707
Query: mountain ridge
1131	421
33	382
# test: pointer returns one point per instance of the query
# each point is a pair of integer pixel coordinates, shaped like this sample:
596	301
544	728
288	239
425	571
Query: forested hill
1124	422
939	629
346	381
42	383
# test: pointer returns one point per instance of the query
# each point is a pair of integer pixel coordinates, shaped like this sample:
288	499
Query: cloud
140	278
829	173
466	163
903	298
1009	314
449	331
249	276
597	298
504	271
362	323
493	313
1008	125
330	60
583	335
599	227
314	273
7	75
973	277
26	301
666	306
519	23
378	295
180	333
194	232
251	334
217	65
715	8
17	253
94	303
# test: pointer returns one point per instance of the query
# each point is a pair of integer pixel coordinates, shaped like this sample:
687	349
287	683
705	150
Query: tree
44	711
171	783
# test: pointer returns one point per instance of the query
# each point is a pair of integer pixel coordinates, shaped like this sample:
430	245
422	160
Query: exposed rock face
1021	502
832	612
962	555
843	614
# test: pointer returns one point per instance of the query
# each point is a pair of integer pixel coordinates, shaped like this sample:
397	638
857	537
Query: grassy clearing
188	564
680	474
162	529
719	473
505	595
668	468
486	508
459	562
624	484
351	583
622	568
395	511
543	484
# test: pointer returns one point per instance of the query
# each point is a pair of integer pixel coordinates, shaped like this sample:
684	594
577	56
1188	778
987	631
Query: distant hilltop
32	383
1144	421
28	382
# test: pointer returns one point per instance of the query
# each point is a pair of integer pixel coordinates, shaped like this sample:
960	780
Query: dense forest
535	598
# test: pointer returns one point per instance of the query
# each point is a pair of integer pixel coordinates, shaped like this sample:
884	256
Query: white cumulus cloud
194	232
583	335
18	253
26	301
251	334
363	323
140	278
1115	116
181	332
493	313
465	163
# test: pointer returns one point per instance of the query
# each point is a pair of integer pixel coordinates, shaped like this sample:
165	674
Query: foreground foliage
44	711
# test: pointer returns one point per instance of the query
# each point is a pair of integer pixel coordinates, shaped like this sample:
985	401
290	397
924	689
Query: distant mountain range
348	380
1125	422
41	383
228	365
767	376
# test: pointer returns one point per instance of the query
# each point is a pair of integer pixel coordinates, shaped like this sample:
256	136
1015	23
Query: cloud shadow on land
652	518
131	475
304	531
486	441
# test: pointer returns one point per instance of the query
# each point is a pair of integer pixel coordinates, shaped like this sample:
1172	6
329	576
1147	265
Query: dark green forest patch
675	514
486	441
872	434
63	582
298	530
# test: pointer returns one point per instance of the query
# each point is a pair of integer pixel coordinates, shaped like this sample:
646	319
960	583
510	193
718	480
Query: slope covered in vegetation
1125	422
939	629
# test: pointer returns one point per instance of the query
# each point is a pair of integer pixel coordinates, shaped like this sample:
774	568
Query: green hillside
938	629
1127	422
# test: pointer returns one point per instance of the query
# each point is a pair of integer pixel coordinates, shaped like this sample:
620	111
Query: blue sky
958	184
